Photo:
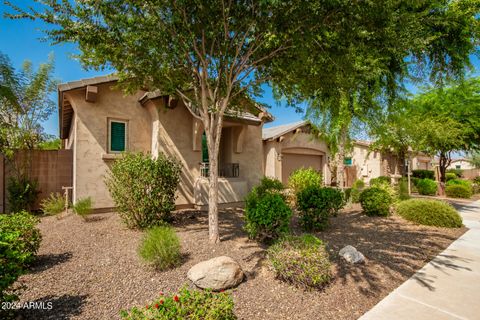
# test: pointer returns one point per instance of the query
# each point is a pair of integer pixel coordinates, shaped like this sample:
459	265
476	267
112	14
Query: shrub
143	188
423	174
457	172
458	191
22	193
303	178
267	216
466	183
161	247
450	176
269	185
357	188
430	212
375	202
302	261
83	207
54	204
347	194
427	187
316	205
403	189
380	180
19	243
186	304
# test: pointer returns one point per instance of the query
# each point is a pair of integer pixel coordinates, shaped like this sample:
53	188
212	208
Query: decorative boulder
351	255
217	274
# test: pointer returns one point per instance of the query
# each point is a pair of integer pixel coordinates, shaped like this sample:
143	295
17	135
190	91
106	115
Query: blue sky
21	40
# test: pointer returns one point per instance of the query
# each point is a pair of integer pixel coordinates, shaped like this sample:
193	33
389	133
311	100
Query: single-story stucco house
461	164
99	122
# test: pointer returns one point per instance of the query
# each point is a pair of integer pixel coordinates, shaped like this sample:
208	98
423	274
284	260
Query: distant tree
51	144
475	159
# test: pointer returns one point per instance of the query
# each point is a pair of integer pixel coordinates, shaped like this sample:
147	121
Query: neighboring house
291	146
363	163
99	122
461	163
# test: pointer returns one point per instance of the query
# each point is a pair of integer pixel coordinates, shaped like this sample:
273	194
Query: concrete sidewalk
448	287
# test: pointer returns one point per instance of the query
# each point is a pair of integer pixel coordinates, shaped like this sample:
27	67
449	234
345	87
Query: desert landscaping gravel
91	270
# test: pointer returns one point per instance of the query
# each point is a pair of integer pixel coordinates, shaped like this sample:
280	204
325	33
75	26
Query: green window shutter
117	136
204	148
347	161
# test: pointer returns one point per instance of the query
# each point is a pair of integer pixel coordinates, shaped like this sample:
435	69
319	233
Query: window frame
347	164
109	135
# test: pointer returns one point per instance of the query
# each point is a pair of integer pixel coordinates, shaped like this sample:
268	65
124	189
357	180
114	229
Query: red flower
156	306
146	307
222	290
161	293
161	301
175	298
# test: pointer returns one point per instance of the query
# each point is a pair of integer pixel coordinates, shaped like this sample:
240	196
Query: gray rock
351	255
216	274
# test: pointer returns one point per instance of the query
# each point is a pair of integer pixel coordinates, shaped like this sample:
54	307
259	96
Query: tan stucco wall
152	128
302	143
90	138
464	165
368	163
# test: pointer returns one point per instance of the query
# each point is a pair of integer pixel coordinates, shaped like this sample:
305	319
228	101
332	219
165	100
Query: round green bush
463	182
303	178
450	176
267	216
458	191
427	187
423	174
302	261
376	202
380	180
430	213
316	205
357	188
271	185
186	304
143	188
161	247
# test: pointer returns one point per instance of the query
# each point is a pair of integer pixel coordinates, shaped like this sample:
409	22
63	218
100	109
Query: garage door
292	161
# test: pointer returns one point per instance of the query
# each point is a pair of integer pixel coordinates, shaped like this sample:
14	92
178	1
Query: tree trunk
341	156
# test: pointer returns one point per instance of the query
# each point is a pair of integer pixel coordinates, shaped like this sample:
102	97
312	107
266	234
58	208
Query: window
117	135
347	161
458	166
204	148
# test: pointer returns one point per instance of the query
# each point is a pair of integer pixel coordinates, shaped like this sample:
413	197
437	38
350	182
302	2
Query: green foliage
52	144
357	189
376	202
83	207
54	204
380	180
430	213
457	172
143	188
267	216
303	178
427	187
186	304
316	205
458	191
302	261
423	174
466	183
161	247
19	243
22	193
450	176
269	185
403	189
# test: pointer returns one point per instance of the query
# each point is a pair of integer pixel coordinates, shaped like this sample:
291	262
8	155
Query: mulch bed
91	270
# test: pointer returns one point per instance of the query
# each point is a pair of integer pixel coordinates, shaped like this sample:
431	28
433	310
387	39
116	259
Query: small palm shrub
458	191
83	207
22	193
302	261
186	304
430	213
19	243
267	216
427	187
143	188
376	202
316	205
357	188
303	178
160	247
423	174
450	176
